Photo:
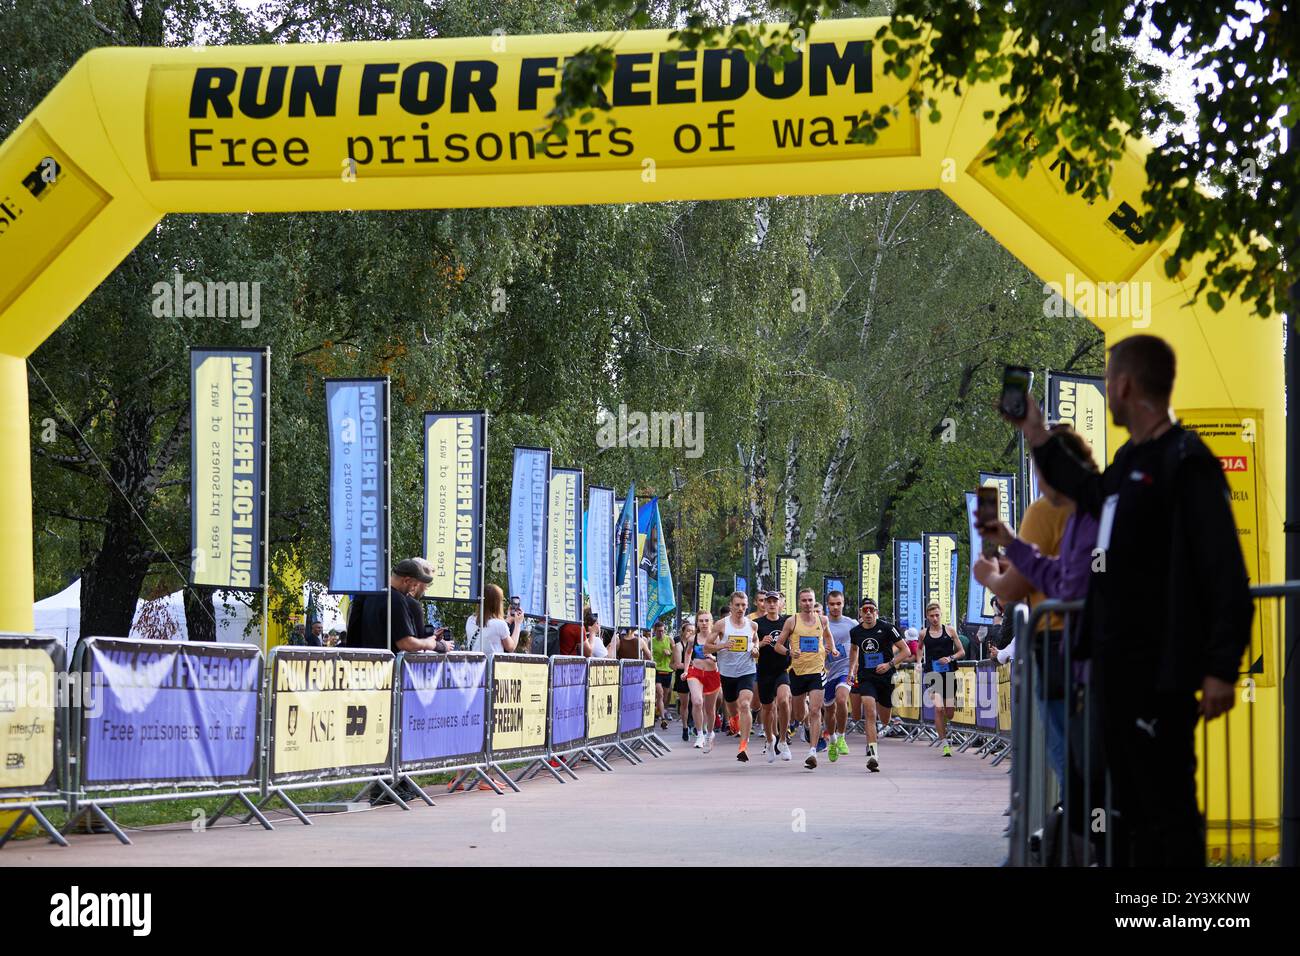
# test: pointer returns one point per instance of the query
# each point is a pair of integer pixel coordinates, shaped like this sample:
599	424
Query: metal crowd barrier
441	723
981	720
1064	810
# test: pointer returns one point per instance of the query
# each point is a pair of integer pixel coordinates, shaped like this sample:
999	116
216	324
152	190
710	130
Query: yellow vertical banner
787	577
704	582
938	549
869	576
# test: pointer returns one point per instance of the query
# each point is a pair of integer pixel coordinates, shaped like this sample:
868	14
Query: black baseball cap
868	602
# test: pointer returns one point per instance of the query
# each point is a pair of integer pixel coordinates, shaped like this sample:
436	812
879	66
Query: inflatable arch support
130	135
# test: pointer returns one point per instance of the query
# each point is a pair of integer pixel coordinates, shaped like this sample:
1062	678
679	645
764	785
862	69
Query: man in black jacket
1168	610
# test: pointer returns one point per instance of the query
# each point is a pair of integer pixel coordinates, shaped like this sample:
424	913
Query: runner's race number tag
940	667
809	645
739	643
874	660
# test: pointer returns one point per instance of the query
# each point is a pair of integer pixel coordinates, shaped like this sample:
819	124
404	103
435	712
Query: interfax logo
74	908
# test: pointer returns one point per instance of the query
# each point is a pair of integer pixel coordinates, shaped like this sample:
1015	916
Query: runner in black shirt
877	648
773	678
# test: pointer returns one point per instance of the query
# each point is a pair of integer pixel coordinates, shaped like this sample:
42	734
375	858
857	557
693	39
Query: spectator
494	631
404	629
298	636
317	636
632	646
571	635
1169	609
594	644
1063	578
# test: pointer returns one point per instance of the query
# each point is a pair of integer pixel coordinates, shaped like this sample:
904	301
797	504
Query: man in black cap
405	630
876	648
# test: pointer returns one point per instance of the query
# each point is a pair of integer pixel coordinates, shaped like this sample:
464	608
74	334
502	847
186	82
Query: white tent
59	615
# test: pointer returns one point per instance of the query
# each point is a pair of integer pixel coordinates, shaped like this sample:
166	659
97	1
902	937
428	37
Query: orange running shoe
735	725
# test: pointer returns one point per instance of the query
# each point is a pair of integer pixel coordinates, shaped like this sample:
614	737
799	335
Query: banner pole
388	511
266	500
482	527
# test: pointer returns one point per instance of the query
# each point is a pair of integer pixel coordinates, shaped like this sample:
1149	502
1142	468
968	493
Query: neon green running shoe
844	747
947	751
833	750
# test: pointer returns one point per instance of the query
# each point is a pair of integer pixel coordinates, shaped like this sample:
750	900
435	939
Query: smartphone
1014	401
986	513
514	603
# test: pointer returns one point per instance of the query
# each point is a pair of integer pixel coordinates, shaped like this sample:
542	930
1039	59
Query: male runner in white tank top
735	641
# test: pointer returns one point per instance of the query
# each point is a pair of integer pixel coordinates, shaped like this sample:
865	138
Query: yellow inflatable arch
132	134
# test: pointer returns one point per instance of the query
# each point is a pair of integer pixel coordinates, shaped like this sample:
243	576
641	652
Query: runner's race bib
939	667
739	643
809	645
874	660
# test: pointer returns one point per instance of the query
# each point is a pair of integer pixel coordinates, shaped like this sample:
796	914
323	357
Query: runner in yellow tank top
807	637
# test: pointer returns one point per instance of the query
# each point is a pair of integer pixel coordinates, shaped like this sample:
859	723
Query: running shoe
789	733
785	753
734	723
844	747
708	743
834	750
663	723
947	751
769	748
686	734
811	761
699	740
742	754
822	745
873	763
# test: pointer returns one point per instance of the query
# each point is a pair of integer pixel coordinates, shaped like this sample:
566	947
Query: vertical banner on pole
704	583
228	448
834	582
742	584
909	584
356	414
659	597
787	578
641	583
598	538
938	548
978	597
1080	402
622	592
455	503
564	560
869	576
1006	489
953	564
526	555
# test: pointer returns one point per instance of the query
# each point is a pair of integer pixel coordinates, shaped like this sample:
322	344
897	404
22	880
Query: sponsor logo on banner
1234	463
518	704
332	713
599	546
357	413
526	554
454	455
564	562
172	713
227	460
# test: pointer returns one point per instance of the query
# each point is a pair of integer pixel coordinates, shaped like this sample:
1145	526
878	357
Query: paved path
920	810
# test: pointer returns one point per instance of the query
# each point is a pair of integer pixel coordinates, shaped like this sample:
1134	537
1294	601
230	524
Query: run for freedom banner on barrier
704	581
564	539
868	578
598	541
631	696
1080	402
939	548
909	584
787	581
30	684
648	696
602	700
172	713
519	702
977	595
356	414
568	701
228	466
443	710
526	553
331	712
455	503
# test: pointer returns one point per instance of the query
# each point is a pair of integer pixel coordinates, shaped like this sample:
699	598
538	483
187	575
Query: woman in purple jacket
1062	578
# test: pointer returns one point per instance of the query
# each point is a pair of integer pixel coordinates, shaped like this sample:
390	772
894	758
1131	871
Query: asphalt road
922	809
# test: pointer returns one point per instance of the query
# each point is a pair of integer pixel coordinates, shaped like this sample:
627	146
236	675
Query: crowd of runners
807	678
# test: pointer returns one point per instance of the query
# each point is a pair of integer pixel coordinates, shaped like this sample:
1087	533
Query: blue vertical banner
455	503
834	582
953	580
526	555
909	584
976	595
564	536
625	535
598	537
356	418
228	466
742	584
622	589
659	597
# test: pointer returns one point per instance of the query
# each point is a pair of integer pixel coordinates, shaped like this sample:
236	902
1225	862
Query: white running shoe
708	742
873	762
769	748
699	740
785	754
811	760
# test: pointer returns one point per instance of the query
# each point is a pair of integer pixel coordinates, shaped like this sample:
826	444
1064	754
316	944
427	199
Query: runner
809	642
661	649
773	678
838	679
704	682
680	660
877	648
735	641
941	649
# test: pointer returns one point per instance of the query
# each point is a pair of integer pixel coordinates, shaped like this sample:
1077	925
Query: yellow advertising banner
28	691
1080	402
519	700
648	700
939	587
787	581
1004	696
1236	438
869	576
602	698
331	713
704	581
906	695
964	712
